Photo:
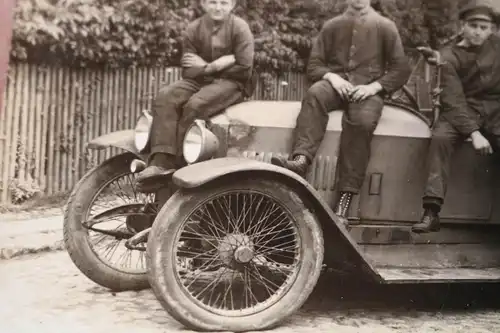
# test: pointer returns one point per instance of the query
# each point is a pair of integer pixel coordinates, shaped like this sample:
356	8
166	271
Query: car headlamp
199	143
142	130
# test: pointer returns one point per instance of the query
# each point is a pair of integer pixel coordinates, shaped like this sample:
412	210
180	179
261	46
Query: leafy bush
143	32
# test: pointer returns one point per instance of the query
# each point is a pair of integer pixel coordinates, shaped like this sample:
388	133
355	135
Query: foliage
143	32
25	188
89	32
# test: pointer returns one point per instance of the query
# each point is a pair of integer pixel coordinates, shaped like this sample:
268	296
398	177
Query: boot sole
424	230
154	183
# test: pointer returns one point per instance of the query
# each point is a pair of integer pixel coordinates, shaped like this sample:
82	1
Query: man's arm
317	66
244	50
188	47
453	101
398	71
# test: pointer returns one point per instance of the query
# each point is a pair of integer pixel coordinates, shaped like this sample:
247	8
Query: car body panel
120	139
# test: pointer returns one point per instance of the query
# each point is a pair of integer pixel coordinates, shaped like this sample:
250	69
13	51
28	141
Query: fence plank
31	118
21	140
49	187
37	152
7	124
45	115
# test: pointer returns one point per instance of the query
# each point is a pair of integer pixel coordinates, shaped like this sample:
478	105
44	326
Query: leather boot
343	205
428	223
299	164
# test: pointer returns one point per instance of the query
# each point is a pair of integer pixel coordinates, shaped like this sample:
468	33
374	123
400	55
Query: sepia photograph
285	166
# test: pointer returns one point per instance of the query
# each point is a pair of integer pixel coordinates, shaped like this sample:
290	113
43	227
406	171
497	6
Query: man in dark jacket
470	103
356	60
217	65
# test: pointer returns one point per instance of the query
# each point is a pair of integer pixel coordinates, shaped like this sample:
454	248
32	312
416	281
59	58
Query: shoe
153	179
343	205
428	223
299	164
149	172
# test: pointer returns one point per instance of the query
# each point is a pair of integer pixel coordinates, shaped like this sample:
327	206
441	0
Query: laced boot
428	223
299	164
343	205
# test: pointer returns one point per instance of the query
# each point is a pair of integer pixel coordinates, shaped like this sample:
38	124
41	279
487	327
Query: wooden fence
50	114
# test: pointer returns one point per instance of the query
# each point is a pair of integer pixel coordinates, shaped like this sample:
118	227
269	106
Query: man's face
477	32
359	4
218	10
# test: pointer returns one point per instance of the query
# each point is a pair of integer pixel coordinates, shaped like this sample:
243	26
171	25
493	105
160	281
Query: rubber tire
76	236
161	246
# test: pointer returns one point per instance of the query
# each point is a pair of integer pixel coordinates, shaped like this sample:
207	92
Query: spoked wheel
234	257
103	212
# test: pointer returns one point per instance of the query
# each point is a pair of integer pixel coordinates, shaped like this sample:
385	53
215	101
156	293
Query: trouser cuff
349	189
167	149
433	203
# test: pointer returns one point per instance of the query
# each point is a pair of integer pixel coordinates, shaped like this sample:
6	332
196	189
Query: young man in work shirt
217	65
356	60
470	101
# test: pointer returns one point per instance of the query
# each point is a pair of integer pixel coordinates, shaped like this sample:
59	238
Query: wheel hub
236	248
243	254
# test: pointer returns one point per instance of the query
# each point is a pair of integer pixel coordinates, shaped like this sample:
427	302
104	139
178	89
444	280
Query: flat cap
482	10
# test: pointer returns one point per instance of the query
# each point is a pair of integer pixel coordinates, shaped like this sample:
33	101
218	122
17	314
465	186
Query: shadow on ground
348	294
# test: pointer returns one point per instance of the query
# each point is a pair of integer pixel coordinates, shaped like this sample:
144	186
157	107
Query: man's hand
431	56
221	64
342	86
480	143
362	92
192	60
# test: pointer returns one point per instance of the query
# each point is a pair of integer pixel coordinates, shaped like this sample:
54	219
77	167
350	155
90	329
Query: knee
317	92
194	105
169	94
365	116
164	94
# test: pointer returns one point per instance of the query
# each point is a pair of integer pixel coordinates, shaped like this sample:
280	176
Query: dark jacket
233	37
361	50
471	86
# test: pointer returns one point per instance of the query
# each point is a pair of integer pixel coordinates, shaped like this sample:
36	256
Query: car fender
121	139
341	251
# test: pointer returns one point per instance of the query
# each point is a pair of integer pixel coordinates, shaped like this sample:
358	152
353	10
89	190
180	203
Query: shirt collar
210	24
350	12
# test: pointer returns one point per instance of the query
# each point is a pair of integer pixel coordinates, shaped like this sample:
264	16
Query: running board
440	275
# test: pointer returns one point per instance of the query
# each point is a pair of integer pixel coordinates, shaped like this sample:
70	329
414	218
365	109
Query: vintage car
234	243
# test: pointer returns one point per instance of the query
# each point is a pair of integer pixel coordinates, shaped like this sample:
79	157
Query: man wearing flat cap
470	103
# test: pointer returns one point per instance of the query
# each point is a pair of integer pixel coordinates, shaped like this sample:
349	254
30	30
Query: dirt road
46	293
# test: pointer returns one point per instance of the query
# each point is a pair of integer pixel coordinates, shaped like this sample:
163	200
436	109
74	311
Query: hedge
146	32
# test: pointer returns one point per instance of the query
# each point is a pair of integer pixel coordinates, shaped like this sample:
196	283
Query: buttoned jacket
470	94
210	42
362	48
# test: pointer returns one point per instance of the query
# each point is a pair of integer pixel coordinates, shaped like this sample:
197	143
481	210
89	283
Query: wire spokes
243	252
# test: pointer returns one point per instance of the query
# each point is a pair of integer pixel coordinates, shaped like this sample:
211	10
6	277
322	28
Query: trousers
179	104
359	122
445	138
